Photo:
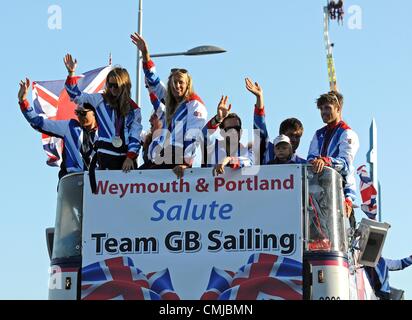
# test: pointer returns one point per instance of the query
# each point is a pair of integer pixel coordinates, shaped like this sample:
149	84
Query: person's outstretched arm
395	265
259	122
153	82
72	89
57	128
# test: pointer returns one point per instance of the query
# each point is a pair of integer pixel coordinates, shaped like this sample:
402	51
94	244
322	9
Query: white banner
194	224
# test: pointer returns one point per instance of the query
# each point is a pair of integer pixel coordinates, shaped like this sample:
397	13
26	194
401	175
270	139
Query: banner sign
148	235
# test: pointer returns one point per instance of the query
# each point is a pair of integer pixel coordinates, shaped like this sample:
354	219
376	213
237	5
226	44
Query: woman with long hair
181	110
118	117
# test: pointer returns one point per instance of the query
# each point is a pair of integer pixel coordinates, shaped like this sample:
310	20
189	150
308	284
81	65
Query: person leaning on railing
335	145
226	149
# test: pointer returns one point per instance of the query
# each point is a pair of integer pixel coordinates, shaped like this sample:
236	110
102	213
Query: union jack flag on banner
118	279
368	193
51	101
264	277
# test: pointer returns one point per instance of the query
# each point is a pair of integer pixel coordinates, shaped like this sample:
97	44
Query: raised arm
70	63
141	44
24	86
153	82
159	109
213	124
259	122
56	128
71	85
223	110
257	91
259	114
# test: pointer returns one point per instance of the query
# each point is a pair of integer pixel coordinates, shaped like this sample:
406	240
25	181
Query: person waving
118	117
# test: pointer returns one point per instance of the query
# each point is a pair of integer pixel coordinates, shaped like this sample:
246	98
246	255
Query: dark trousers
110	162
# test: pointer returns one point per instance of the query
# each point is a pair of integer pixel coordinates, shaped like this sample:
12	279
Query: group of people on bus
108	130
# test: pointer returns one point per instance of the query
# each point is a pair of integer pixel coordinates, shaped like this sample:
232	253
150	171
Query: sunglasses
178	70
81	113
113	85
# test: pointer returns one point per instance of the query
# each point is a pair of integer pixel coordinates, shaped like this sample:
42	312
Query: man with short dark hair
290	127
335	145
226	150
78	136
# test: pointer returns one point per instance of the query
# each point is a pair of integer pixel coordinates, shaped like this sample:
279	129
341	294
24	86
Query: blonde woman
181	111
118	117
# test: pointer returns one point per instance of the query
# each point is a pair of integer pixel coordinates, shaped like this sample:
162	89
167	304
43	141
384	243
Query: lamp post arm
158	55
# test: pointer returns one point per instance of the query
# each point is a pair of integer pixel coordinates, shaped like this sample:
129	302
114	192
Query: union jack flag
51	101
264	277
368	193
118	279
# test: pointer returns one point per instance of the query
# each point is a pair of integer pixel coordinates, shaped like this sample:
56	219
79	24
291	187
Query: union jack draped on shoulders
264	277
118	279
368	193
50	100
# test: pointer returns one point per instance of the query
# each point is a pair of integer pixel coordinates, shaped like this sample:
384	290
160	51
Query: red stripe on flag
45	96
100	86
118	270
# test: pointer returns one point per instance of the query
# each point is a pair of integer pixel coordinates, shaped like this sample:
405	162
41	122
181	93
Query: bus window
67	238
325	219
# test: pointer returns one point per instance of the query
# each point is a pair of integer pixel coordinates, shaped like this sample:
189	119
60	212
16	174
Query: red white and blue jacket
216	149
337	146
106	117
69	130
268	151
187	122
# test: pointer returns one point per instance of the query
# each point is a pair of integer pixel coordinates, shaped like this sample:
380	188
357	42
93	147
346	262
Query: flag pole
139	66
372	159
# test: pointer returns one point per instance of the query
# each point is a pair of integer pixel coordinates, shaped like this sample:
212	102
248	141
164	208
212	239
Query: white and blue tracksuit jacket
69	130
337	146
106	116
216	149
185	129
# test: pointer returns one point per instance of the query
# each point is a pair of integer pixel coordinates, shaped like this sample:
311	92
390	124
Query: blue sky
277	43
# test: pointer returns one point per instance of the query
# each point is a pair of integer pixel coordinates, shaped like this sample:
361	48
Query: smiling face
179	86
330	113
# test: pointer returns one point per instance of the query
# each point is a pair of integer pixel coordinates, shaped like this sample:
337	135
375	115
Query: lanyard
117	123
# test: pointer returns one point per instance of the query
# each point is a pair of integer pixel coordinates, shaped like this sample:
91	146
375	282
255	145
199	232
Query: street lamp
196	51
